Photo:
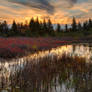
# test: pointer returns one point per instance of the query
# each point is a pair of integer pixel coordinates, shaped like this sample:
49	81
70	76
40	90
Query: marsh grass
48	73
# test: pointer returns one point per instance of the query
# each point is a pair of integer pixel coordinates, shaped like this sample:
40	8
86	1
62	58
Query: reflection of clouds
11	66
83	51
75	50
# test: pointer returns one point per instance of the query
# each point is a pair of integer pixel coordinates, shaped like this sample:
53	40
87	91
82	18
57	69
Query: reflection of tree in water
63	75
82	51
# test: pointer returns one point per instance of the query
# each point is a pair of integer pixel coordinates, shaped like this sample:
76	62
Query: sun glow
10	11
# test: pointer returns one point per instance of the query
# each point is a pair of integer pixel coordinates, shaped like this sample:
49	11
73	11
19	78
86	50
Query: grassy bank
20	46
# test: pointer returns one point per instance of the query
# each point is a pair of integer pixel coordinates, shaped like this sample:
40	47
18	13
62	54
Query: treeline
37	28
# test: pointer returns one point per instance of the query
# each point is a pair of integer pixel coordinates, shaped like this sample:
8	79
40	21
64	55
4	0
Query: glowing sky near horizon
59	11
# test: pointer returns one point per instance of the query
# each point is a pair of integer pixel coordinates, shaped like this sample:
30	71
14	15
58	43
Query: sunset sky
59	11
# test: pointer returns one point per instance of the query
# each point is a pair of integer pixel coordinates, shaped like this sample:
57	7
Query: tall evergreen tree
66	27
31	24
44	25
79	28
50	27
44	28
4	28
58	28
14	28
85	25
90	24
74	24
0	27
37	26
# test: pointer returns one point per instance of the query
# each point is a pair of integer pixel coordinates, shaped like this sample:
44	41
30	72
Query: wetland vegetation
63	69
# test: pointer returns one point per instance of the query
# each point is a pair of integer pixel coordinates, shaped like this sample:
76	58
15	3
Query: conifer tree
44	25
37	26
14	29
58	28
32	25
79	27
50	27
90	24
74	24
85	25
44	29
66	27
4	28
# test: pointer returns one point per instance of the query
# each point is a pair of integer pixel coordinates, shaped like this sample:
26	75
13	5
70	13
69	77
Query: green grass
75	34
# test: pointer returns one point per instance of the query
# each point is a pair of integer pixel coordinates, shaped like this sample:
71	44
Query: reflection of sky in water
72	50
82	51
75	50
7	67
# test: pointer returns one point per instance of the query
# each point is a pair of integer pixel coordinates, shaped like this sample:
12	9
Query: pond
66	68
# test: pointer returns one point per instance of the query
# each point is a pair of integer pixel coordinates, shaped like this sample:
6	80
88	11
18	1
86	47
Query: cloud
46	5
65	4
38	4
59	11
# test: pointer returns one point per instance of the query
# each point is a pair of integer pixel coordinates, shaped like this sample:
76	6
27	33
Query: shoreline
31	45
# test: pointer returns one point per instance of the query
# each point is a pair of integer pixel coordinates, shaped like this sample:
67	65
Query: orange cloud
20	13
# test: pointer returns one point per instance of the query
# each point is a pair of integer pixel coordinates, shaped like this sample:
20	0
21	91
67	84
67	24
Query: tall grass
48	73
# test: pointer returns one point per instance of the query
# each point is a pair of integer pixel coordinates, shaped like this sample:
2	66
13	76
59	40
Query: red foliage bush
20	45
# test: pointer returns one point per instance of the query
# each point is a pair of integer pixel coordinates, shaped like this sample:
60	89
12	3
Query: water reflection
72	50
44	71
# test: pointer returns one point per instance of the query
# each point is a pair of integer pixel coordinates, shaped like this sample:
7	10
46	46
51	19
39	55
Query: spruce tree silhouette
58	28
14	30
50	27
66	27
74	25
79	27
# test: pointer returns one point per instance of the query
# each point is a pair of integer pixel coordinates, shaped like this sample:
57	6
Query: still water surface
66	80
